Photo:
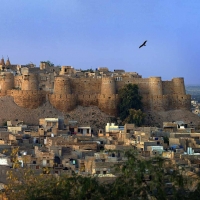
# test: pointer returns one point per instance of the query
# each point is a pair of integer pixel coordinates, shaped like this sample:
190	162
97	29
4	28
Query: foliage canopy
135	116
136	178
130	99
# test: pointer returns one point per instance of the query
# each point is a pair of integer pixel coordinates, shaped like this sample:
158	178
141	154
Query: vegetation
88	70
135	116
49	63
155	178
130	105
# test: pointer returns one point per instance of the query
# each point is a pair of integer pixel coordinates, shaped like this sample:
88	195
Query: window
43	78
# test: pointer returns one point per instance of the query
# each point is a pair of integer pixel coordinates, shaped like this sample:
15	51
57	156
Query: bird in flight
144	44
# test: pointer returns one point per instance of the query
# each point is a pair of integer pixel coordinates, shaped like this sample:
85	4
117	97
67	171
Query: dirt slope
84	115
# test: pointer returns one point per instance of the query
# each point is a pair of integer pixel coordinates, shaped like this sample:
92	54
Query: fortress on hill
65	88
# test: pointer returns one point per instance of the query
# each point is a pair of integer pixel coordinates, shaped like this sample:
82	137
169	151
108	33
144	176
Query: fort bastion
65	88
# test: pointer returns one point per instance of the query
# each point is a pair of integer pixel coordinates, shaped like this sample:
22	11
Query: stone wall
65	92
63	102
6	82
28	98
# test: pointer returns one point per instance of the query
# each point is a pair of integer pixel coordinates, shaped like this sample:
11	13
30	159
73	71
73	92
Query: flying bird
144	44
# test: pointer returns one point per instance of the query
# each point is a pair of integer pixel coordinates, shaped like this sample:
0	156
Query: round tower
178	86
6	81
62	98
155	86
108	99
29	82
108	86
62	85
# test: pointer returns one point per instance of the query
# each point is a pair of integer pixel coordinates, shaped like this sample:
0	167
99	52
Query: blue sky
105	33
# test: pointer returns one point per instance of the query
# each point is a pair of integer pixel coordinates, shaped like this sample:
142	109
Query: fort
66	88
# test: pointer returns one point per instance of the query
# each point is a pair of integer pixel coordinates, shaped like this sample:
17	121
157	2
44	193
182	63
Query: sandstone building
65	88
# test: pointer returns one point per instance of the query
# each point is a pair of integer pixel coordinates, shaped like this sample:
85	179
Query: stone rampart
108	86
181	101
62	85
63	102
108	103
28	98
87	99
68	92
3	93
6	81
29	82
86	85
167	87
178	86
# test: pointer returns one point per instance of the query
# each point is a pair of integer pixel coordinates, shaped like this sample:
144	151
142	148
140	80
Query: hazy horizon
90	34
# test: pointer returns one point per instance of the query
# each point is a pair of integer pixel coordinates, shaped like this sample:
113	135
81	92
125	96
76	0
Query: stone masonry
68	88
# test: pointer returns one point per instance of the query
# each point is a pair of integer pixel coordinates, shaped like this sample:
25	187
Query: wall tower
108	99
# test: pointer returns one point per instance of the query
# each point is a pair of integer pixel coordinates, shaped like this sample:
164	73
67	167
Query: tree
156	178
31	186
129	99
135	117
49	63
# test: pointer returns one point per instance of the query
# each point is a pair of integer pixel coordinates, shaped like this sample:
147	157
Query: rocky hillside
84	115
157	118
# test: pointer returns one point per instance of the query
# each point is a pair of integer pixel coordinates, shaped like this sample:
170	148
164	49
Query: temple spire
8	62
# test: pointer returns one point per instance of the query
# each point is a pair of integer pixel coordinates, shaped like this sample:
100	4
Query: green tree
137	178
129	99
155	178
49	63
135	117
31	186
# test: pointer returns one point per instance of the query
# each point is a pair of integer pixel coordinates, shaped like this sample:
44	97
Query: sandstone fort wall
28	98
68	92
